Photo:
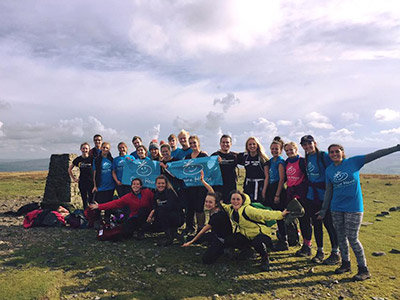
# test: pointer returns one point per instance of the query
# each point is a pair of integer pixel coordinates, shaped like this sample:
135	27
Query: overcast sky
70	69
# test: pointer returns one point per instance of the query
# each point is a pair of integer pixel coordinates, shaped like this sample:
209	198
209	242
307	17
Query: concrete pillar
60	189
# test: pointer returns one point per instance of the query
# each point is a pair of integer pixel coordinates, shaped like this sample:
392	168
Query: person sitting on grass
167	214
217	228
249	226
140	203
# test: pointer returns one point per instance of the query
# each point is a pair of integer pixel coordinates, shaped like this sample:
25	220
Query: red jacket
132	201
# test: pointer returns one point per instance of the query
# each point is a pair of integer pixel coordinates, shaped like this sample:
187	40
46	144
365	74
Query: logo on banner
143	169
190	168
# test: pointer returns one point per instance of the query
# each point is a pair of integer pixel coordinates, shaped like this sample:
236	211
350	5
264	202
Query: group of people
327	185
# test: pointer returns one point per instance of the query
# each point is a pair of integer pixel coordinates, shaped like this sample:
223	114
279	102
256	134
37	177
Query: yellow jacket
251	229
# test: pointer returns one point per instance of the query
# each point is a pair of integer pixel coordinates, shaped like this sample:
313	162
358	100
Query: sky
71	69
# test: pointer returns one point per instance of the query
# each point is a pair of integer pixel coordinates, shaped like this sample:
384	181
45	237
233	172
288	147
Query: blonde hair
184	132
293	144
195	137
260	149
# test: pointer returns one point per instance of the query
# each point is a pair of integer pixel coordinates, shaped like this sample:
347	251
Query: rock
335	282
378	253
388	184
379	215
311	271
377	219
378	201
105	291
394	251
392	277
215	296
202	275
394	208
384	213
366	223
378	298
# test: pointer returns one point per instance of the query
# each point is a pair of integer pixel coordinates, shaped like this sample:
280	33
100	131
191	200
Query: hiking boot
264	266
345	267
333	259
318	258
281	246
304	251
363	274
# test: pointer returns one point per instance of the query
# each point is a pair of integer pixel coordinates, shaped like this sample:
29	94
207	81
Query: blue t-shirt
176	153
107	182
345	178
118	166
134	154
316	172
183	153
273	171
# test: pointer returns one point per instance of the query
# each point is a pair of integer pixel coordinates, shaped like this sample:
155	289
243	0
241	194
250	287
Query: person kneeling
249	226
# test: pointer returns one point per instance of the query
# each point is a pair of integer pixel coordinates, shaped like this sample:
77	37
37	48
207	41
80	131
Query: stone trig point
60	189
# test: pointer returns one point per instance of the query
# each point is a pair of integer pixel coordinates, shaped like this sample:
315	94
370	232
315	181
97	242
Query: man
228	163
183	138
136	141
95	151
172	141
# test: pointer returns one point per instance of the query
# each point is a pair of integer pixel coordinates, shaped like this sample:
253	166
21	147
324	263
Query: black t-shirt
228	167
85	167
201	154
220	224
176	183
253	165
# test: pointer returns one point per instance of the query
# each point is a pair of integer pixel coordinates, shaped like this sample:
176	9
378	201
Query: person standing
173	143
136	141
343	196
228	164
118	169
85	180
96	150
253	160
183	137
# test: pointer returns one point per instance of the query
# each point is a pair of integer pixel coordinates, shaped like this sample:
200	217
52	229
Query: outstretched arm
380	153
201	232
206	185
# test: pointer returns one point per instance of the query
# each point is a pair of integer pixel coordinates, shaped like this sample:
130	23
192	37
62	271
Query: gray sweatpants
347	226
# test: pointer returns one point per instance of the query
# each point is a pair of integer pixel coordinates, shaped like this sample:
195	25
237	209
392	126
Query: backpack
77	219
23	210
47	218
259	206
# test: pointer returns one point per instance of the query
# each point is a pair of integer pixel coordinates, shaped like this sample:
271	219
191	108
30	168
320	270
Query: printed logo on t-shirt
106	165
310	167
340	176
290	171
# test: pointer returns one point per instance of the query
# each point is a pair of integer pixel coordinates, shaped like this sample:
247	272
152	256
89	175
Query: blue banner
189	170
145	169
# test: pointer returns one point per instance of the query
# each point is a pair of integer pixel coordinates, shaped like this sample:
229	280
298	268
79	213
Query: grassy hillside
62	263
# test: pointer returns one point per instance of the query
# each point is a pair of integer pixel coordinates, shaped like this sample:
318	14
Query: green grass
54	263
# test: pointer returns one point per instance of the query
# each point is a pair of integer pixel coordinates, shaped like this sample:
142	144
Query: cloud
153	133
317	120
349	116
386	115
214	121
191	126
4	104
284	123
1	131
342	135
227	101
391	131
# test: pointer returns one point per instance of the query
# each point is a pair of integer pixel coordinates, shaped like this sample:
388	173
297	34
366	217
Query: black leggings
135	222
85	188
215	248
261	243
194	202
310	220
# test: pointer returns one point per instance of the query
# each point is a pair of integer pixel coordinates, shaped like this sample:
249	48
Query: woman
154	151
253	160
167	214
274	192
118	168
104	183
166	153
296	181
317	162
140	203
219	226
195	195
141	152
344	197
248	226
85	180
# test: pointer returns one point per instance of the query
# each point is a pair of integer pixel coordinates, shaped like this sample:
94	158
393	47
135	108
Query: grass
62	263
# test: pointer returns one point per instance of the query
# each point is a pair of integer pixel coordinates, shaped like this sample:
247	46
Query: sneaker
363	274
281	246
264	266
345	267
318	258
333	259
304	251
